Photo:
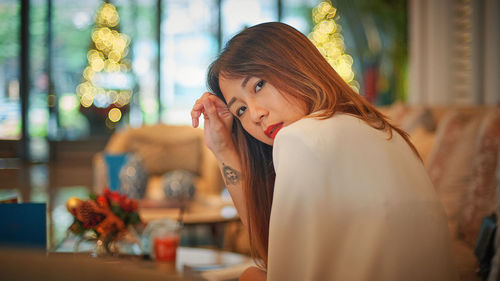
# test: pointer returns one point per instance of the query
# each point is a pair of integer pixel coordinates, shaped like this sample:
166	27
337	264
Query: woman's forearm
230	167
253	274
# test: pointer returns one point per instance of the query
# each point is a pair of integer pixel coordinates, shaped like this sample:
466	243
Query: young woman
327	187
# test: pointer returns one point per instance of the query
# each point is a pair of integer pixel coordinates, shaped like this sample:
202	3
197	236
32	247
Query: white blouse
351	205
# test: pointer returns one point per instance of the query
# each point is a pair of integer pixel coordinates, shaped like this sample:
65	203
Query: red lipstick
272	130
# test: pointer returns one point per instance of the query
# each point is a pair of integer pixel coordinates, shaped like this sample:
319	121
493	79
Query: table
32	265
189	262
203	210
210	211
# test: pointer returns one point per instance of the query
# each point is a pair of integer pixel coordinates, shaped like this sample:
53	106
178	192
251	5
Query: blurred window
138	20
10	105
72	23
38	110
239	14
190	41
189	44
298	13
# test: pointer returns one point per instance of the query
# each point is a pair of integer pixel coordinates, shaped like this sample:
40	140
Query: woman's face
260	107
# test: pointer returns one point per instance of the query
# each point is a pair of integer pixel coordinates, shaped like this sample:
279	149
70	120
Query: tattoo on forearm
231	176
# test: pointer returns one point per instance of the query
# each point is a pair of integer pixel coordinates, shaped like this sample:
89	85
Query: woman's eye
259	85
240	111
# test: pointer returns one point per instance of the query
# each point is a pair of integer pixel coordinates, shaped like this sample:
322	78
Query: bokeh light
105	81
330	43
115	115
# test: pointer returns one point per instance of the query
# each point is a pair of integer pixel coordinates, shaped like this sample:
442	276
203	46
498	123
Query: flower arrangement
105	217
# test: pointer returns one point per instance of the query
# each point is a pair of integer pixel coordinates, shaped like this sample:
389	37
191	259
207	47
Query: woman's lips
272	130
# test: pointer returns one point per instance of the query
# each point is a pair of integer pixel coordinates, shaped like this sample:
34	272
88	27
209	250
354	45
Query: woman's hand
217	131
218	122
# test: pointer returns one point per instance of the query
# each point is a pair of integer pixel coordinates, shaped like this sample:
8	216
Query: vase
89	242
129	243
124	243
105	248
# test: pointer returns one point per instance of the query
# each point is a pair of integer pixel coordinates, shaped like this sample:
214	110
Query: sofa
162	148
460	150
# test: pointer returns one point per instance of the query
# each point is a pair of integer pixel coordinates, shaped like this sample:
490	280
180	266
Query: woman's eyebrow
231	101
244	82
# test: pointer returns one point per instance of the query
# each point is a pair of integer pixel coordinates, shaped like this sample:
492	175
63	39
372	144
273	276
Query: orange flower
114	197
111	224
89	214
106	214
102	201
106	192
135	206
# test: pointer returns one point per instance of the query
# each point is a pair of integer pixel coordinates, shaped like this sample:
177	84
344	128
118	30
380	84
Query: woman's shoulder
339	135
339	126
342	135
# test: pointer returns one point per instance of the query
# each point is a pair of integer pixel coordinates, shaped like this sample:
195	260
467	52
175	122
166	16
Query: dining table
190	264
60	260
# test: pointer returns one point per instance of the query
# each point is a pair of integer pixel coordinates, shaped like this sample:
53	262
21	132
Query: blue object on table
114	163
23	225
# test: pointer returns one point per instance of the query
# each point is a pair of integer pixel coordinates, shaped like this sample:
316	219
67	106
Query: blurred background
82	80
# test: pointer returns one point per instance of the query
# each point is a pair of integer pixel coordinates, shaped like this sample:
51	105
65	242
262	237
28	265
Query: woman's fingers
196	113
211	112
198	110
217	109
198	107
225	116
218	122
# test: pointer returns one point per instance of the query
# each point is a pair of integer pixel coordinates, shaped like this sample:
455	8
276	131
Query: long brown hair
284	57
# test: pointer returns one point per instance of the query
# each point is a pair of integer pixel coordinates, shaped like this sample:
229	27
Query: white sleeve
299	180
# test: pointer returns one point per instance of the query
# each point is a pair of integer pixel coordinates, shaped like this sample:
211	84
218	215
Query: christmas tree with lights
327	37
107	83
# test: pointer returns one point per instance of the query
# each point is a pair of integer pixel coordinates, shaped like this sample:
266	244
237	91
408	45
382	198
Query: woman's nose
257	113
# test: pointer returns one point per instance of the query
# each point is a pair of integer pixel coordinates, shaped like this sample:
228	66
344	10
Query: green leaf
134	219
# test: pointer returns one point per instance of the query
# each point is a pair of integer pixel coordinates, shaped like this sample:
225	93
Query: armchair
163	148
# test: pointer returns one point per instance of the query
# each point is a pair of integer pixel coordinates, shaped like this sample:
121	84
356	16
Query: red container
166	248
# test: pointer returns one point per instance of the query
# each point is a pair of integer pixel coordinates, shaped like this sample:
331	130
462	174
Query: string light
327	37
